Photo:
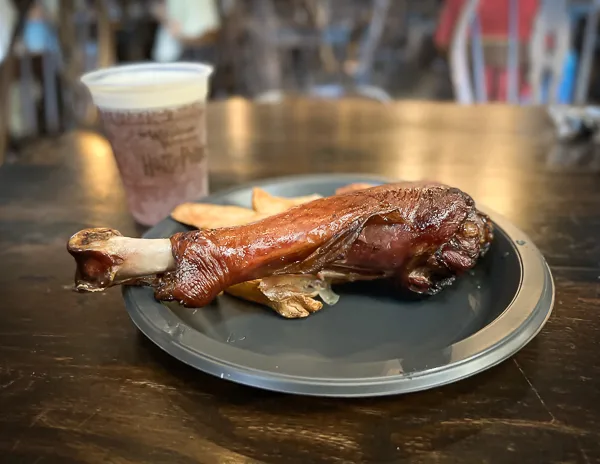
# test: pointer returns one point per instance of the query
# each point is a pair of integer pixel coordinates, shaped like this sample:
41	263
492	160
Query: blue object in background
336	34
38	36
566	89
567	85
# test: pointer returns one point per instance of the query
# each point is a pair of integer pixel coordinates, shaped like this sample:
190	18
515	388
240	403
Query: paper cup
154	116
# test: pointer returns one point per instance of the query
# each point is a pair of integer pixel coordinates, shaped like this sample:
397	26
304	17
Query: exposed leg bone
105	258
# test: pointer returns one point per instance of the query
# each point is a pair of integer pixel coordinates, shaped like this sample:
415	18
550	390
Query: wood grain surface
79	384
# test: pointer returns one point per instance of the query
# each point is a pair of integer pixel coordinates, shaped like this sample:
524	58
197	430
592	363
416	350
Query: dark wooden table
78	383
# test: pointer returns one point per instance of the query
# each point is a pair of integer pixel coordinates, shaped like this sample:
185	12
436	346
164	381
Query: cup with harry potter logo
154	116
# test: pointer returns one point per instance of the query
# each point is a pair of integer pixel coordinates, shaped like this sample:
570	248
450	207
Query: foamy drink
154	117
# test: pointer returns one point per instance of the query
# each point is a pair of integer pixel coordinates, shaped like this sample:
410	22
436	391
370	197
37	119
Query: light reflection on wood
99	172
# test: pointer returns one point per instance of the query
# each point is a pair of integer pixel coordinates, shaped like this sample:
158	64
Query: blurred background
521	52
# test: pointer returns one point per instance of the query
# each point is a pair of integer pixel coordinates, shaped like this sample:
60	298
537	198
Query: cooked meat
422	234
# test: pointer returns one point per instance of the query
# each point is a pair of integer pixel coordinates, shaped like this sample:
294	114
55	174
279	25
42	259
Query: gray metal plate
374	341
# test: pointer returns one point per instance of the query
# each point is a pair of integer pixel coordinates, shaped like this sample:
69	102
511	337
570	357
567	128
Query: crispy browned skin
424	234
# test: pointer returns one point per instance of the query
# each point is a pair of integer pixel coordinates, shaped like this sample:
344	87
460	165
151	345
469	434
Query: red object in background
493	17
494	21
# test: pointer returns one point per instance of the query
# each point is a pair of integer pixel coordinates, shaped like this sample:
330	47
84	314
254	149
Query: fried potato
265	203
296	306
208	216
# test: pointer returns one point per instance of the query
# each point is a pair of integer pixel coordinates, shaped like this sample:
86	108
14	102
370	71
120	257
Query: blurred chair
552	73
556	73
372	39
323	39
467	31
358	84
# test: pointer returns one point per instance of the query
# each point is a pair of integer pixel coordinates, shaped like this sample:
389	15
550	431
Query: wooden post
265	54
106	42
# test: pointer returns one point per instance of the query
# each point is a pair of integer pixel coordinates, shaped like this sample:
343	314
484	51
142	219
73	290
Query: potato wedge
208	216
265	203
296	306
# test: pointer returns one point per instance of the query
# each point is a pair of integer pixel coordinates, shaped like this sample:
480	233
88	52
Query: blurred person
38	36
181	22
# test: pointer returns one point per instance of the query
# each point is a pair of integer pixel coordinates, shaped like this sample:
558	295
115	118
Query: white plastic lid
148	85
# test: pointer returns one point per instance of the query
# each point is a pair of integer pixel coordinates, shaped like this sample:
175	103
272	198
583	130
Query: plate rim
480	351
